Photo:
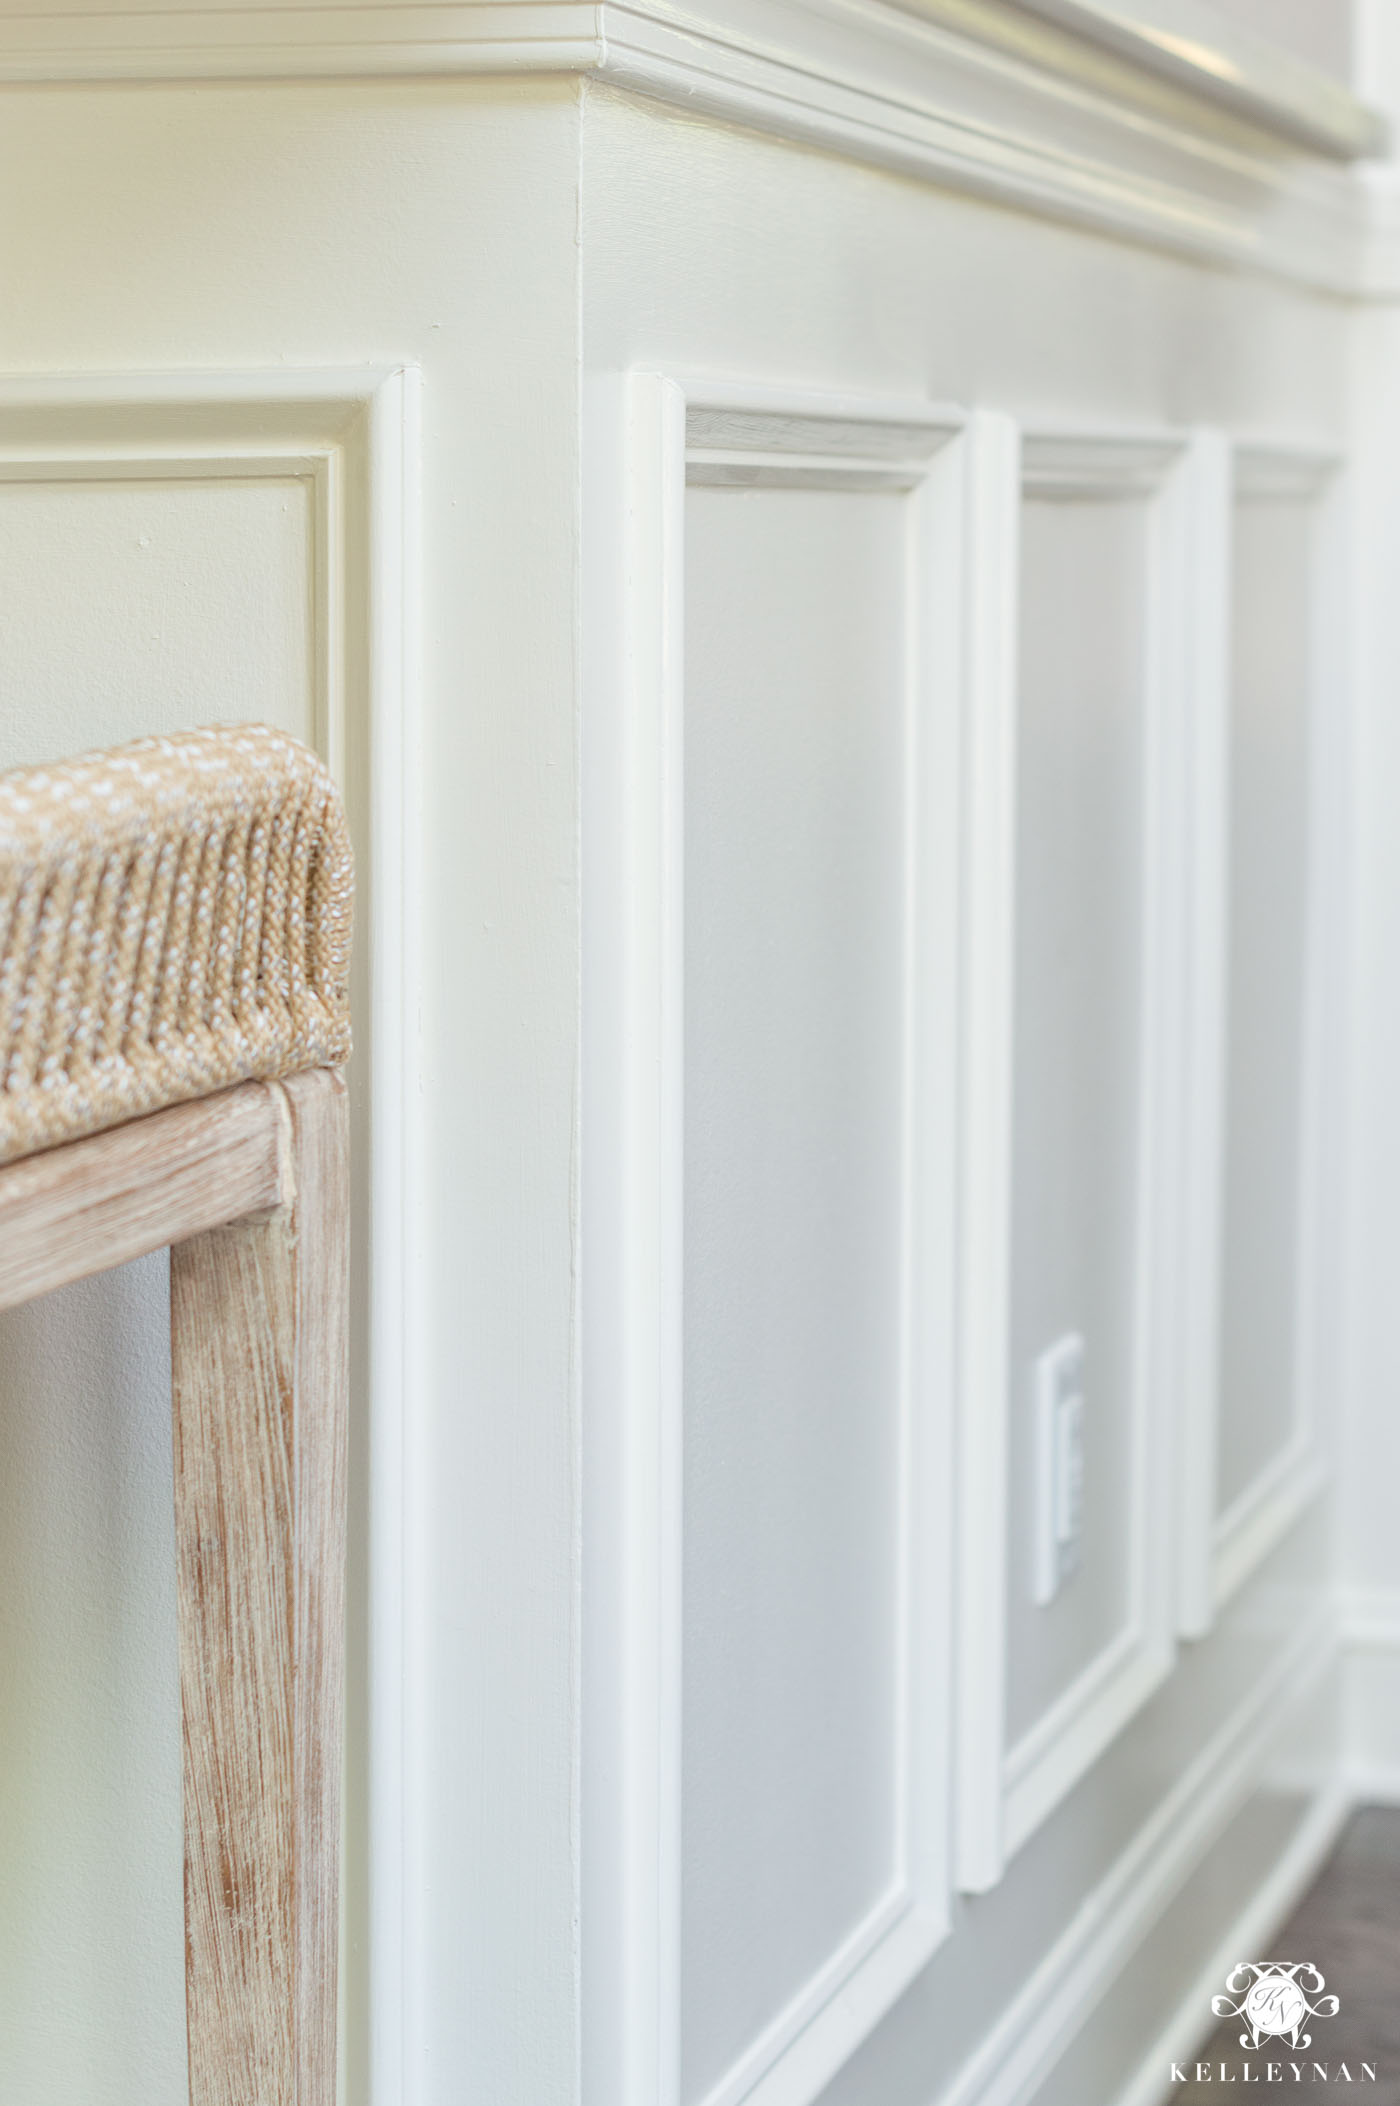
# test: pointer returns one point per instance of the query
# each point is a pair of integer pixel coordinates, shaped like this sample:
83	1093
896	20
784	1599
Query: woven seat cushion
174	917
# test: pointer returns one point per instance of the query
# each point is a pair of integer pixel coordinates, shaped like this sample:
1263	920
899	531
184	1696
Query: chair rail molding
1106	123
352	437
647	437
1005	1792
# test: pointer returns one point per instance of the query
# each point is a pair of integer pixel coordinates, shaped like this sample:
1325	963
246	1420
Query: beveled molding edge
984	96
1190	42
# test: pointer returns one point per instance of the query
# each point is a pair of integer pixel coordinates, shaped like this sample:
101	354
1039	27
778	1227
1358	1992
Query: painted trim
1081	466
1206	880
1220	1550
668	434
1190	42
399	1584
1017	2054
1004	1793
988	999
1368	1621
997	102
1261	1517
352	437
1268	1907
631	1223
1280	468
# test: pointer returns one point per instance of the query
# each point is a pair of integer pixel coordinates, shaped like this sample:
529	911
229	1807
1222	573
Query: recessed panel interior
1079	964
795	762
1268	896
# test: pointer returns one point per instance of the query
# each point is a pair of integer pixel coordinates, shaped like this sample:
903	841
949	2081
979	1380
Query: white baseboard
1372	1784
1368	1620
1250	1931
1012	2062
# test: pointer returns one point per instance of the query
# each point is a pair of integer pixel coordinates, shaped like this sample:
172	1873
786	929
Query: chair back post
174	1009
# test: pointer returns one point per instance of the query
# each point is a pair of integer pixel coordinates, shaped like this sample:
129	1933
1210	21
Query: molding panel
1079	122
1220	1548
667	437
1013	2061
1006	1787
1187	40
351	439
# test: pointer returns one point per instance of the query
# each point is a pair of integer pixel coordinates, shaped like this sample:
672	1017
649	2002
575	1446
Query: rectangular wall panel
129	607
177	550
795	762
1267	1460
1083	1171
1269	862
1080	947
145	605
774	1096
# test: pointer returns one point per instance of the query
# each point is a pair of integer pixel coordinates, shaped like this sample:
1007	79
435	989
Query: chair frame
249	1188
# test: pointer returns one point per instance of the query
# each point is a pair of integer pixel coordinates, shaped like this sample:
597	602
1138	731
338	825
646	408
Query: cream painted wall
855	282
1317	30
246	229
91	1938
1080	917
123	601
526	242
794	764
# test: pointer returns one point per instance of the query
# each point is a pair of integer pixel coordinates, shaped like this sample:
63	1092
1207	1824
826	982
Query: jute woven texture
174	918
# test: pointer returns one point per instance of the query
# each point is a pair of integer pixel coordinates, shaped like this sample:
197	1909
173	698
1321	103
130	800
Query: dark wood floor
1348	1925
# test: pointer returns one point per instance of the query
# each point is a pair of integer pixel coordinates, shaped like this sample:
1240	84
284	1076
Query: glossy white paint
795	761
259	251
723	1022
247	539
1103	1123
1269	1457
1283	70
1368	1554
694	1670
92	1920
987	99
689	238
1254	1447
1313	30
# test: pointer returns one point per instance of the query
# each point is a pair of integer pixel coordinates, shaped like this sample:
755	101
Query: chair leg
258	1346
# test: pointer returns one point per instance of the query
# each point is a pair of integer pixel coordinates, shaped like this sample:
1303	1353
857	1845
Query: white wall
810	853
855	282
1080	924
1369	1375
125	599
1270	862
91	1940
237	232
1319	31
794	759
1368	1559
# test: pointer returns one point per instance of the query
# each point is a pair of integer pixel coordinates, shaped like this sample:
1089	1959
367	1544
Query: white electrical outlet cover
1058	1465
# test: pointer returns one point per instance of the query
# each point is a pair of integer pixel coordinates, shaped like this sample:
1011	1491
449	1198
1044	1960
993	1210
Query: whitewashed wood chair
174	950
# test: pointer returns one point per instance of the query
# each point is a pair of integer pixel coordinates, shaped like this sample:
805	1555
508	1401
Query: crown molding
1189	42
972	95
